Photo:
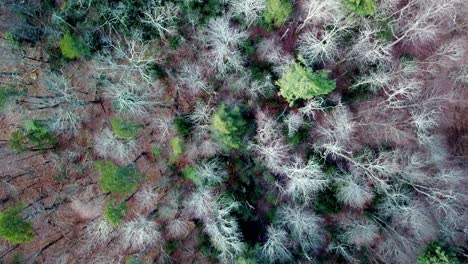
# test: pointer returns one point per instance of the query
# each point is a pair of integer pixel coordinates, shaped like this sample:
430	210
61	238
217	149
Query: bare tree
162	16
179	228
323	49
294	122
147	198
320	12
353	191
224	231
312	106
369	48
335	132
223	42
201	204
270	146
248	10
304	226
191	76
98	232
270	50
131	97
211	172
276	246
140	234
130	56
421	21
360	232
108	146
304	180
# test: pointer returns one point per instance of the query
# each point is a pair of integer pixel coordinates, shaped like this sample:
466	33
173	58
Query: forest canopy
233	131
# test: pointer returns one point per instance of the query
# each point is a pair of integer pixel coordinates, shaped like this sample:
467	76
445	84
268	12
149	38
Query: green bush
124	129
133	260
156	151
73	47
299	82
435	254
33	135
7	92
229	126
114	214
362	7
277	12
13	228
115	179
191	174
177	145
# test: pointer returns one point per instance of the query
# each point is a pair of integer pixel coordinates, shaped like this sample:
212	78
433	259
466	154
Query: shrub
434	254
73	47
156	151
115	179
299	82
114	214
124	128
229	126
133	260
33	135
13	227
177	145
7	92
191	174
277	12
362	7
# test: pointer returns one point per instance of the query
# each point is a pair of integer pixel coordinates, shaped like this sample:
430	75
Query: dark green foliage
32	18
115	213
207	249
229	126
277	12
248	47
124	128
175	42
362	7
249	256
326	202
17	140
435	254
33	136
13	228
73	47
182	126
385	29
247	184
8	92
202	11
17	258
155	70
171	247
115	179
